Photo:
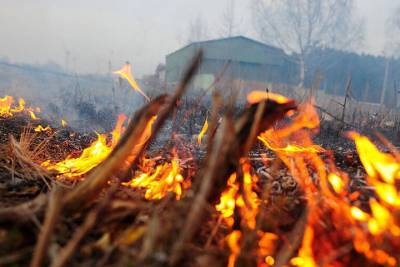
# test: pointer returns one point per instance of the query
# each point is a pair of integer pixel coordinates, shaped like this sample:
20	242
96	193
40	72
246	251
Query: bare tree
228	20
392	45
298	26
197	30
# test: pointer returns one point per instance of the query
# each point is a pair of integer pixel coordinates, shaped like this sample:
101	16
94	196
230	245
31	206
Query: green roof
238	48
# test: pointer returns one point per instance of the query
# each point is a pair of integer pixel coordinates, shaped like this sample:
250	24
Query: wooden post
347	94
385	80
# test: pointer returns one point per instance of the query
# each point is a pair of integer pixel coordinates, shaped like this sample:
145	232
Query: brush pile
263	193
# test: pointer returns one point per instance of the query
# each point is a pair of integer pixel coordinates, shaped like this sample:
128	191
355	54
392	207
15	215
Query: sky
87	35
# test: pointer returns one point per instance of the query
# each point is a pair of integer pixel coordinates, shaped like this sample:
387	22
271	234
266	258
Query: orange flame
293	144
291	138
266	248
159	182
383	173
290	148
326	190
91	157
233	241
255	97
7	109
336	182
227	202
248	202
376	163
40	128
305	257
366	229
32	114
5	106
126	73
202	132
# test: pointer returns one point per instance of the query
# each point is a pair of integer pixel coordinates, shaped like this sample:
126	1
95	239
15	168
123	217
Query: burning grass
264	195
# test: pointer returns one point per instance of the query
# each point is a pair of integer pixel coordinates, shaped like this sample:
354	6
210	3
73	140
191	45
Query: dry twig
52	215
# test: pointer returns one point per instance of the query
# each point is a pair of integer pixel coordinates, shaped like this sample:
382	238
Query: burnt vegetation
262	187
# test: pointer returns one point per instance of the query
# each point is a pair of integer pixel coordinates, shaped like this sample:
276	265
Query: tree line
323	37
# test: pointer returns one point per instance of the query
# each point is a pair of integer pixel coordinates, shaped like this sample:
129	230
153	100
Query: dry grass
20	158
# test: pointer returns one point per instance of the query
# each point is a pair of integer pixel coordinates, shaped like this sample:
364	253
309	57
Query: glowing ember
266	248
269	261
126	73
91	157
202	132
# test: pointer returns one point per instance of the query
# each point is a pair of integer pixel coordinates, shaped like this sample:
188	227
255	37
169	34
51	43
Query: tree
228	20
392	45
197	30
299	26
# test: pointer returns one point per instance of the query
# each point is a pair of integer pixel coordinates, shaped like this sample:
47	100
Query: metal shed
250	61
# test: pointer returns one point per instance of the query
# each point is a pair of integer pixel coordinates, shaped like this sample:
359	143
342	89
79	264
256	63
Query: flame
227	202
383	174
293	144
305	258
202	132
5	106
373	232
266	248
40	128
63	123
8	109
247	202
336	182
255	97
126	73
158	182
32	114
91	156
290	148
233	241
291	138
372	228
358	214
376	163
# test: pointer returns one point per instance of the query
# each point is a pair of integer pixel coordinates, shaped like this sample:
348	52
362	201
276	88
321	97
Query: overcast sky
141	31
